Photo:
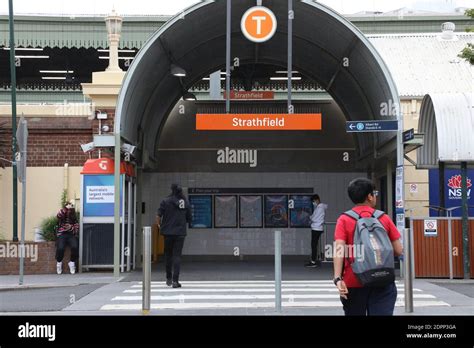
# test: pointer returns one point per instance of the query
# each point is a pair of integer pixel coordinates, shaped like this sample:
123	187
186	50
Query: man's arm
397	247
338	259
158	220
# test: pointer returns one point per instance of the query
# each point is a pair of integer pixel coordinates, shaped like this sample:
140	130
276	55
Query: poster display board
225	211
251	211
301	209
201	209
99	195
276	211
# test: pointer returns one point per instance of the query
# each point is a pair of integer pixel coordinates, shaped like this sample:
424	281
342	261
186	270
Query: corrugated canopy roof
423	64
447	120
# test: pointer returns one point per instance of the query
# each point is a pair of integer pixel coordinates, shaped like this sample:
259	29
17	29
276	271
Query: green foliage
64	199
468	52
48	228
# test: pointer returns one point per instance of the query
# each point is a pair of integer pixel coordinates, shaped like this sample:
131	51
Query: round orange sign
258	24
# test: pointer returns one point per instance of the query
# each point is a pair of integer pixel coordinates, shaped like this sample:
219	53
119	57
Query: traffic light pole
13	92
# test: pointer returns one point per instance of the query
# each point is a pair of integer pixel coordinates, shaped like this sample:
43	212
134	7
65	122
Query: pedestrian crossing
196	295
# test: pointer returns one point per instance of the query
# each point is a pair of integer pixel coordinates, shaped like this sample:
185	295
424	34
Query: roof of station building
423	63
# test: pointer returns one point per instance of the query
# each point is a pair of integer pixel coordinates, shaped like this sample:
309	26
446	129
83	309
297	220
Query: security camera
130	149
87	147
105	129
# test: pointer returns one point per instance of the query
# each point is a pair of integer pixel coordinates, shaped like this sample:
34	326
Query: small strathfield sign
251	95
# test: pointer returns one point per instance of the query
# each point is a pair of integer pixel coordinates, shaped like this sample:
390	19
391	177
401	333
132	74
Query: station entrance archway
326	47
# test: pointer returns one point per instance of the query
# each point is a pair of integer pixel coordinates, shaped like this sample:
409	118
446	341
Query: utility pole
13	91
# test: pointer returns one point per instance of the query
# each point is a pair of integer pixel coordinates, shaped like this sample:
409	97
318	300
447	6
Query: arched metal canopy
326	47
447	122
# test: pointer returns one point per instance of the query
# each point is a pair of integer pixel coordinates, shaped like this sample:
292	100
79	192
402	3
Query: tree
468	52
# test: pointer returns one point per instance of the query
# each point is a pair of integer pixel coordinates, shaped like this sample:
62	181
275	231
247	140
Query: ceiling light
23	49
286	72
123	58
53	78
285	78
34	57
56	71
208	78
177	71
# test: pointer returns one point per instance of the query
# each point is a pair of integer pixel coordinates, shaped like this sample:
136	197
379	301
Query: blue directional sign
408	135
371	126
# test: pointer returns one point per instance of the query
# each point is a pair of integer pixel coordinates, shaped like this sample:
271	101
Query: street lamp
113	23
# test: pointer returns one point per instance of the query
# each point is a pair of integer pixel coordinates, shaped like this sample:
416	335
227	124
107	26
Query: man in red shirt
356	299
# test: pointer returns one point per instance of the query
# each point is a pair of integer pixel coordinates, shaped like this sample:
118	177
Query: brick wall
54	141
45	263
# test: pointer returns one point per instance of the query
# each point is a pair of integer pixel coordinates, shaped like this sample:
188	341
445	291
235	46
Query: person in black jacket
173	215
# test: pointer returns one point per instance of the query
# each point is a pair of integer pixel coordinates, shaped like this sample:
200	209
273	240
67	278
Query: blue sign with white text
98	195
371	126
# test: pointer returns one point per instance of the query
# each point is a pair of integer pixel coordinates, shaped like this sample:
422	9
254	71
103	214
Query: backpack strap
351	213
378	214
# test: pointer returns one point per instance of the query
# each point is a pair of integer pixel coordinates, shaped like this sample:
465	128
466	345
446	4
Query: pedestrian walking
366	241
173	216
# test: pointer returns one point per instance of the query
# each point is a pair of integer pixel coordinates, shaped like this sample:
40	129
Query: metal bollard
408	279
146	286
278	271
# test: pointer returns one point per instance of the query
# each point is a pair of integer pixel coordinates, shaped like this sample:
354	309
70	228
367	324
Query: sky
170	7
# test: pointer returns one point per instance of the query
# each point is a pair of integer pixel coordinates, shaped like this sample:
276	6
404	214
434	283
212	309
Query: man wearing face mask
317	228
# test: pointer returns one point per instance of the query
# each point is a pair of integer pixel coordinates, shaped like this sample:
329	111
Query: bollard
278	271
408	279
146	286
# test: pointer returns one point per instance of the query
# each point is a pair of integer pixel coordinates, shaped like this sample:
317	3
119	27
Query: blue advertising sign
371	126
301	209
276	211
98	195
452	190
201	209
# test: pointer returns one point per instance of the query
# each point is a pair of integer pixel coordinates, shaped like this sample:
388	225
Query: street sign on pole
371	126
408	135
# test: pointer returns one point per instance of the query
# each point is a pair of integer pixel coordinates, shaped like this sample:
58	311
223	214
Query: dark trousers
315	235
370	300
63	241
173	250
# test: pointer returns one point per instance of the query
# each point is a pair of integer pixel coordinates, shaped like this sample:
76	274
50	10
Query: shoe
169	282
72	267
59	267
176	285
311	264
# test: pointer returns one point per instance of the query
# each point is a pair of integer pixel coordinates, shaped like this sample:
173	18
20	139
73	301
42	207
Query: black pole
13	90
465	221
290	55
227	56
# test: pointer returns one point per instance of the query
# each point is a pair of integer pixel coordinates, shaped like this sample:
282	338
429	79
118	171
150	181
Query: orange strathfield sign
258	24
259	122
251	95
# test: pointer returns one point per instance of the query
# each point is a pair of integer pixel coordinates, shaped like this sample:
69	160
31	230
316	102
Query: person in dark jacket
173	215
66	234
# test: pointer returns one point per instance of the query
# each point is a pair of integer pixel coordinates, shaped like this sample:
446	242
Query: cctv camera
129	149
87	147
105	129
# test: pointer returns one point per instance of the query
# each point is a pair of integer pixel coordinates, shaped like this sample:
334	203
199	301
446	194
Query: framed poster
251	211
201	210
301	209
276	211
225	211
99	195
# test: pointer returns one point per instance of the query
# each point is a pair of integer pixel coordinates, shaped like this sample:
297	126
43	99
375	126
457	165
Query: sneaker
176	285
311	264
72	267
59	267
169	282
